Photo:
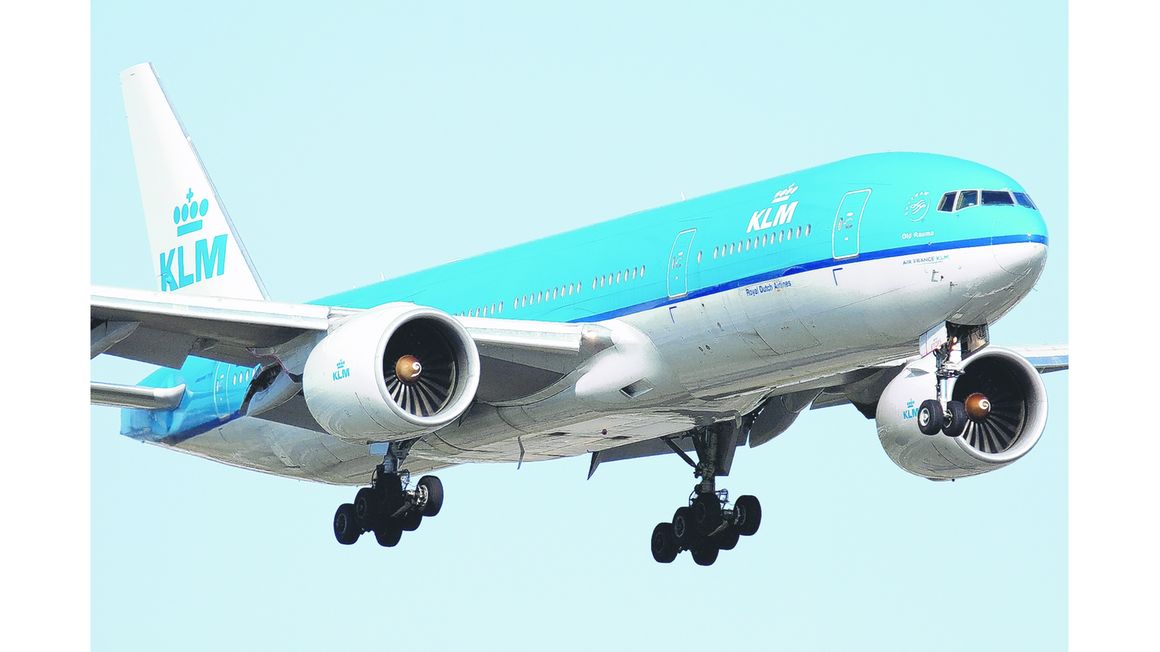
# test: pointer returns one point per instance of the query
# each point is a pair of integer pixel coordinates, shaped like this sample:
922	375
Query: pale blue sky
378	141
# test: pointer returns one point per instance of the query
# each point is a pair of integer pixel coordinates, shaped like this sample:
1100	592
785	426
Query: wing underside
517	357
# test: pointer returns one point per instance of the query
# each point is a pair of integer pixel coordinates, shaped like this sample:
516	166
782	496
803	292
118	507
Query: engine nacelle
398	371
1016	420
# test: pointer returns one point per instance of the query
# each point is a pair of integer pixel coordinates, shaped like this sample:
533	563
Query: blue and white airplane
691	329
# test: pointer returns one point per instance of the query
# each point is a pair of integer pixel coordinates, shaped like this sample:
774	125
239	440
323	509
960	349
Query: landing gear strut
388	507
707	525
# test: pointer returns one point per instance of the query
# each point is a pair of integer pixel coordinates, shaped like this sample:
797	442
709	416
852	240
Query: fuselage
743	292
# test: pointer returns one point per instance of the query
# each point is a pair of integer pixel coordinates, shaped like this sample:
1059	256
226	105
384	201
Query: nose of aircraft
1021	259
1024	252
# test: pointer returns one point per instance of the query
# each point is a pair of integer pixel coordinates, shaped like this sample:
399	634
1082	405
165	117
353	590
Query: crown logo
784	194
341	364
188	216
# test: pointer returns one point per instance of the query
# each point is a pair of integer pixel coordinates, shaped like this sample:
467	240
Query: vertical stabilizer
194	245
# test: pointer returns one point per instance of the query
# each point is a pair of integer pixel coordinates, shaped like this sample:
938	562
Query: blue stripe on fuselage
811	266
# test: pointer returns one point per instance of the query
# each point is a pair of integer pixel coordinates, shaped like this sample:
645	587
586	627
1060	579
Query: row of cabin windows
755	242
619	277
482	311
957	200
634	273
547	295
555	293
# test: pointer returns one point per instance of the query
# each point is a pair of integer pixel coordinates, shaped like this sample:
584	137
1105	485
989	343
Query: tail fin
195	248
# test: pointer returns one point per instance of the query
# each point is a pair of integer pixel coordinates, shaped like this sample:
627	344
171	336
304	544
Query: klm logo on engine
181	267
340	371
910	412
760	220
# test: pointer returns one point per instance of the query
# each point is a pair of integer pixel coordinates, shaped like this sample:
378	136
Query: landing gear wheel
727	539
410	521
346	528
664	544
706	512
434	489
705	555
366	505
956	419
683	528
388	533
747	511
930	417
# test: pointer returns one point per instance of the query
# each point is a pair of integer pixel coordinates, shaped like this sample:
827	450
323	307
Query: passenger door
678	274
848	223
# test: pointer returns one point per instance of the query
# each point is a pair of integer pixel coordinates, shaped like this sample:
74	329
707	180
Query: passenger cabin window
967	198
997	198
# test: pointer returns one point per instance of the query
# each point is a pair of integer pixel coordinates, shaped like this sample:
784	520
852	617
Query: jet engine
398	371
1004	398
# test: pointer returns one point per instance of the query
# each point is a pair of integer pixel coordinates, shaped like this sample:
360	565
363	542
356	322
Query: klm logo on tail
209	258
340	371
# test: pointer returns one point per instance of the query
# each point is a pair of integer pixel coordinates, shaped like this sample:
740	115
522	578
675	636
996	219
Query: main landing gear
951	420
388	507
707	525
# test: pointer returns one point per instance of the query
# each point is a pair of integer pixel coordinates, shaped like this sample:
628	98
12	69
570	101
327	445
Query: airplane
692	329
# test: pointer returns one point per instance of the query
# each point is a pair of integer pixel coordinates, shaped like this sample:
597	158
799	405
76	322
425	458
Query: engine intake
1006	403
398	371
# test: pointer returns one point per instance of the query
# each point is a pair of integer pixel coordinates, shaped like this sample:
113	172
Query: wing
163	328
779	410
517	357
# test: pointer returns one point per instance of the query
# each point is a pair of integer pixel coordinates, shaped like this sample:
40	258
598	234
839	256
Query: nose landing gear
707	525
388	507
952	419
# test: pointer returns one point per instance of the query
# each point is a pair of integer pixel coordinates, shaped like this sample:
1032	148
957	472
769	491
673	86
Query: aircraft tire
930	417
664	544
705	555
410	521
684	532
956	420
434	488
727	538
748	510
366	505
706	512
346	528
388	533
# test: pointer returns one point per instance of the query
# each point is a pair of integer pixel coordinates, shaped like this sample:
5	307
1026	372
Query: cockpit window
958	200
997	197
948	202
1025	201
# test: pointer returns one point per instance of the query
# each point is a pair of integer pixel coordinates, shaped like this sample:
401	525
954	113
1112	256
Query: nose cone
1024	251
1021	258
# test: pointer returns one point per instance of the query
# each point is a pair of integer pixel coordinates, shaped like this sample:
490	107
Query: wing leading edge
164	329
